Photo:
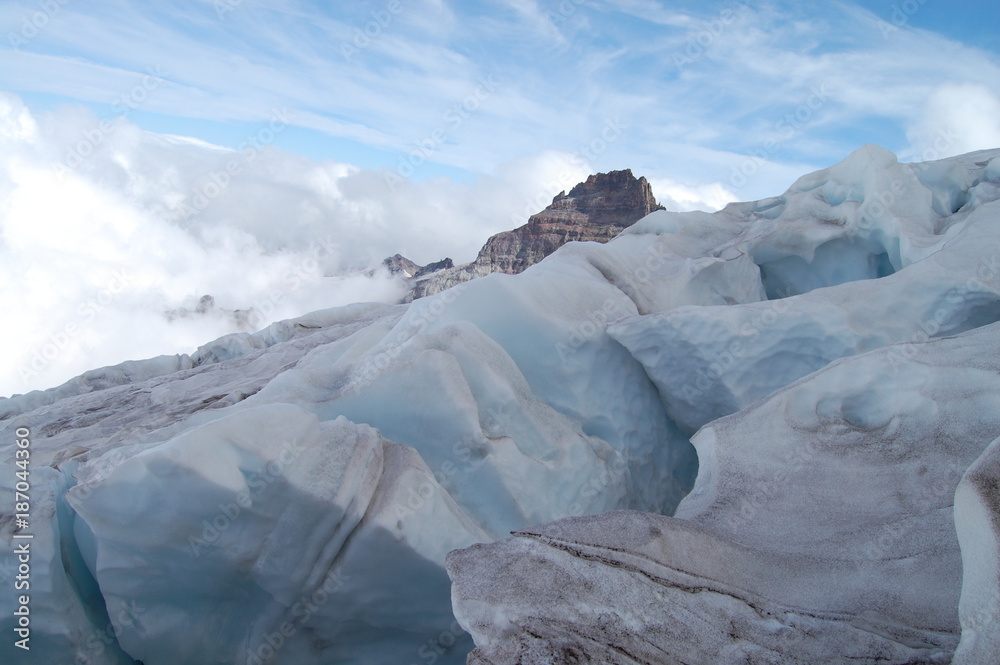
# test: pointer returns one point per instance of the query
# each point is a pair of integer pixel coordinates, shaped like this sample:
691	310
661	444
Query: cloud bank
111	237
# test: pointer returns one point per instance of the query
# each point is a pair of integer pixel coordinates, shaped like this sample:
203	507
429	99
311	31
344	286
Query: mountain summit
597	209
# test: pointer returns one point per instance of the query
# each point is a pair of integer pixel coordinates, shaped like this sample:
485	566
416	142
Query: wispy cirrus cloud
717	76
423	126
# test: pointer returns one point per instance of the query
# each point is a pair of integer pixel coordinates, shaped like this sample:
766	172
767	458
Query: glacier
762	435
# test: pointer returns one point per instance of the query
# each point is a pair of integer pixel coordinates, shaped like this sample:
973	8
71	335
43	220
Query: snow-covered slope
833	427
291	496
820	531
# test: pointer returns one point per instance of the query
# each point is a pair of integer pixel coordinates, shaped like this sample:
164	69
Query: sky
267	153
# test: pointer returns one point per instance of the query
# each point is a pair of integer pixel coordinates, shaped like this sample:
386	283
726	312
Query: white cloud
106	262
536	18
650	10
680	197
957	118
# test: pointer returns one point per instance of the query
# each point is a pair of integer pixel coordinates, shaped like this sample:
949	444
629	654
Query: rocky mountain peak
616	198
399	264
596	209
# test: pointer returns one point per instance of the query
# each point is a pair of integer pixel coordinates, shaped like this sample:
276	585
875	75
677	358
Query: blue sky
696	85
355	130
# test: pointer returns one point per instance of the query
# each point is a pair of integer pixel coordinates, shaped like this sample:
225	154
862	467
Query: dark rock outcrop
595	210
443	264
400	265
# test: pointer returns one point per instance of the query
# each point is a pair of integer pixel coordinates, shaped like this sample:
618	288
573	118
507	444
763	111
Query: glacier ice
291	495
257	533
490	385
708	362
834	420
977	519
820	530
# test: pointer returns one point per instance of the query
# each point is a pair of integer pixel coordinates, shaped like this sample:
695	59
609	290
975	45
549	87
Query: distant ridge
597	210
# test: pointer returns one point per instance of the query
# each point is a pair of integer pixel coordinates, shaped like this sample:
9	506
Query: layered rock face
400	265
595	210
